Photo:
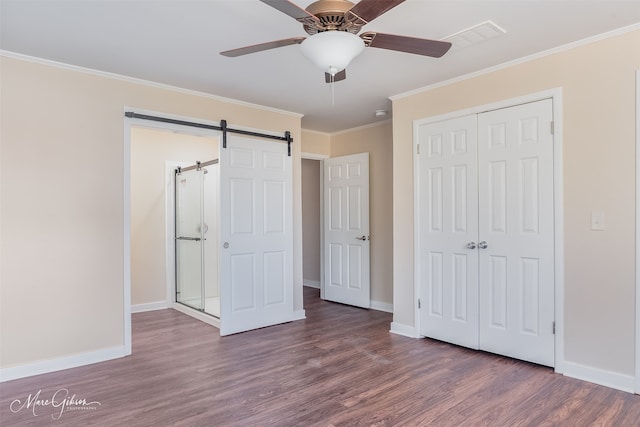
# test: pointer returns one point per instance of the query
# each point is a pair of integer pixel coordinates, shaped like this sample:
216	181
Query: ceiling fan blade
426	47
368	10
293	10
340	75
262	46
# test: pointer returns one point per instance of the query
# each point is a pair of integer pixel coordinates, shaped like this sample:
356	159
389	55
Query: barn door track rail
223	127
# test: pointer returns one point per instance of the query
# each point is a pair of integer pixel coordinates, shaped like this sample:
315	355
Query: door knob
471	245
362	238
483	245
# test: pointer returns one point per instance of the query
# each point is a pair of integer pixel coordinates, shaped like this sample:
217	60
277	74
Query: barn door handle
483	245
195	239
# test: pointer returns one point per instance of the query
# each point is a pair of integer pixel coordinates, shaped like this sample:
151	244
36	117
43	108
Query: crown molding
149	83
553	51
315	132
363	127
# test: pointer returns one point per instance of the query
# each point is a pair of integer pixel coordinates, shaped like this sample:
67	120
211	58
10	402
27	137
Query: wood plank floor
339	367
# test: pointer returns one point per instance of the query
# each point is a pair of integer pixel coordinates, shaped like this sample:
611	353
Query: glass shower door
189	238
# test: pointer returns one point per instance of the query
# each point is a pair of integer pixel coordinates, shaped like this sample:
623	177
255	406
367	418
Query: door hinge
553	128
417	148
554	328
418	302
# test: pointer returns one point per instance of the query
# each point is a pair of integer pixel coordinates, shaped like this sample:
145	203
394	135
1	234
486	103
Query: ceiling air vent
476	34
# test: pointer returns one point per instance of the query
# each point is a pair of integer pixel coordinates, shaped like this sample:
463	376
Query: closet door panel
516	287
448	264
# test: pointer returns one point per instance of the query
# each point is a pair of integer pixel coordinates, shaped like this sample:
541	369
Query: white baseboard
311	284
61	363
599	376
404	330
381	306
150	306
299	315
374	305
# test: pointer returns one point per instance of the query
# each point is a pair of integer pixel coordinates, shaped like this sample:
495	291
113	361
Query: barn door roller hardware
223	127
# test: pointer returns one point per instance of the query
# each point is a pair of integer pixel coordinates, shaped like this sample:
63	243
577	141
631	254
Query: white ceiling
177	43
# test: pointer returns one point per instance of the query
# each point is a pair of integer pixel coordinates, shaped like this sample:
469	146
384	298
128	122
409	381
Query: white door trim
556	96
314	156
637	371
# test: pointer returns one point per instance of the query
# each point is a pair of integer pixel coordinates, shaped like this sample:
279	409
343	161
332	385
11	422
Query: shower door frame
177	171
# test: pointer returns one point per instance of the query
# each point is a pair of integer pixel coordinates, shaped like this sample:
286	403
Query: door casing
556	96
637	234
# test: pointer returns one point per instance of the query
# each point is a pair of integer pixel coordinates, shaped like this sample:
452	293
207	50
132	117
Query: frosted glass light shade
332	51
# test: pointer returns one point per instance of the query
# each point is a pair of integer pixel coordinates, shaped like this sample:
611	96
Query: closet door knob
471	245
483	245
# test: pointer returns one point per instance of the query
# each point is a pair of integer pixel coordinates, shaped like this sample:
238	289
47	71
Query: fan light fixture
332	51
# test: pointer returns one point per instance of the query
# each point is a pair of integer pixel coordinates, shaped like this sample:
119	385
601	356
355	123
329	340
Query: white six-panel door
346	230
448	201
256	235
498	296
515	158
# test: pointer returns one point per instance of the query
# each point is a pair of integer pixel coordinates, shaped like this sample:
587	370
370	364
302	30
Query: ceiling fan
332	26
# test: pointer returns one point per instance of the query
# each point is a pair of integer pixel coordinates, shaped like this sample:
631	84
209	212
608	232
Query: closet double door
486	231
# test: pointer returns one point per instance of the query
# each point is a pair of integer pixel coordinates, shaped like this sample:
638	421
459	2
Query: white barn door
516	222
448	201
346	230
256	235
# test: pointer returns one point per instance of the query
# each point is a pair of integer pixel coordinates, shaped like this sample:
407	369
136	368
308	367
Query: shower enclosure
196	237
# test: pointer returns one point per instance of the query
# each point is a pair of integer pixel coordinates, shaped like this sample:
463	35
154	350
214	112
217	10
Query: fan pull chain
333	92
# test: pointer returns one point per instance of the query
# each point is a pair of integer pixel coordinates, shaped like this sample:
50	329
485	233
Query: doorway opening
157	150
255	211
311	222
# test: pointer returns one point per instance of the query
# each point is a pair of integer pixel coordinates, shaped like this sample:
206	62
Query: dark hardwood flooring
339	367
